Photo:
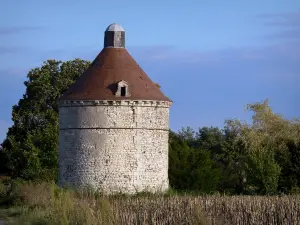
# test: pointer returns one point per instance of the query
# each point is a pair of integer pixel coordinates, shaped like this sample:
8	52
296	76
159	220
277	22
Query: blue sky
210	57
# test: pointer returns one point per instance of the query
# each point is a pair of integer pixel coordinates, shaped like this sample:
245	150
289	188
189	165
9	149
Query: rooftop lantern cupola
114	36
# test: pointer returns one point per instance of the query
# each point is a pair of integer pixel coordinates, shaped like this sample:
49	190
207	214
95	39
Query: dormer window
122	89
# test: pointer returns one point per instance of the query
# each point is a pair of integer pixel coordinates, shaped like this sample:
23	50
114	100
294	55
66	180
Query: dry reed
47	204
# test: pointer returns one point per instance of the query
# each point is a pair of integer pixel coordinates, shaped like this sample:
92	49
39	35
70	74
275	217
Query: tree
211	139
259	157
190	168
268	144
188	135
231	159
30	149
263	171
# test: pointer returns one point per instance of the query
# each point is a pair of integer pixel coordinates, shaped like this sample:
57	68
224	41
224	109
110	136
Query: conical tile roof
111	66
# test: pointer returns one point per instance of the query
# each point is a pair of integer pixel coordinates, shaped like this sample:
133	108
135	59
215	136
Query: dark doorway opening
123	91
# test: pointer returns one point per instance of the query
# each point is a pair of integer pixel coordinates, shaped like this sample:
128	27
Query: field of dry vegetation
45	203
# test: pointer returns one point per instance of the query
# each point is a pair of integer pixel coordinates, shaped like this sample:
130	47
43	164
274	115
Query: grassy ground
45	203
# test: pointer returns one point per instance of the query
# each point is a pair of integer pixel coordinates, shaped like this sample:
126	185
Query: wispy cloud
13	72
17	29
289	19
287	51
9	47
11	50
287	25
285	34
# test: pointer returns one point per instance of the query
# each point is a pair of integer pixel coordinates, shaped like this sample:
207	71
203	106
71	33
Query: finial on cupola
114	36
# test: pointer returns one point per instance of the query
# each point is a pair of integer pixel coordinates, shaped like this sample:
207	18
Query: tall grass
45	203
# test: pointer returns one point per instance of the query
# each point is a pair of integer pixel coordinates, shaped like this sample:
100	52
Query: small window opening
123	91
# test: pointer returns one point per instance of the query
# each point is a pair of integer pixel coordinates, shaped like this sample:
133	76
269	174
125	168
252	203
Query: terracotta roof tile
112	65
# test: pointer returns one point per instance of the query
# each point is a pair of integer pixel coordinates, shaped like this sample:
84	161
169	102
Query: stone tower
114	125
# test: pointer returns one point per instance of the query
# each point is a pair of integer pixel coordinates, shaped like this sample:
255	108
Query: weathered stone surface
147	117
114	36
114	148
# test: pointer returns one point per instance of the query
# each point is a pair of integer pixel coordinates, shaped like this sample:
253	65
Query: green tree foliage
30	149
231	160
190	168
261	157
264	149
276	141
263	171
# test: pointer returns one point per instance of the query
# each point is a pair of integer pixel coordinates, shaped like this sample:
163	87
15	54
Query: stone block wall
114	146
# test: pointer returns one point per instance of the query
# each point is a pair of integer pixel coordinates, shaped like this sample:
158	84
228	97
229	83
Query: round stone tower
114	125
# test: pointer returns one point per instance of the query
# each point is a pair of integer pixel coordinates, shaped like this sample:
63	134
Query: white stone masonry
114	146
